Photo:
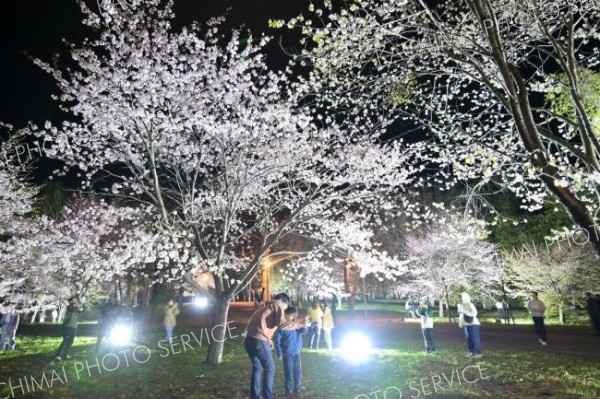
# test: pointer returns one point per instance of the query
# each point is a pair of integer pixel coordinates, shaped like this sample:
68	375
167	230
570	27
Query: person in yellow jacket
170	320
327	324
315	314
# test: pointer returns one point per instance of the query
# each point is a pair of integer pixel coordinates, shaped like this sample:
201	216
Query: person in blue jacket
288	344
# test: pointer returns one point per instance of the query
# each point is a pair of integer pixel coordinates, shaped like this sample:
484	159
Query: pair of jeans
473	339
262	362
169	330
327	338
469	343
595	320
315	335
292	371
8	336
68	338
428	338
540	328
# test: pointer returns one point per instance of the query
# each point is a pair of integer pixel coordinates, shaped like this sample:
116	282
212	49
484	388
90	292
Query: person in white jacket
537	309
425	311
469	322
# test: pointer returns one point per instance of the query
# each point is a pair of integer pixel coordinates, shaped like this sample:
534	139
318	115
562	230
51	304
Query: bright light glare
201	301
120	334
356	347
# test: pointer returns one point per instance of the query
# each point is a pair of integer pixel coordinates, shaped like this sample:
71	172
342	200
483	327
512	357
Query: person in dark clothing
108	318
334	309
137	316
593	308
69	328
288	344
259	294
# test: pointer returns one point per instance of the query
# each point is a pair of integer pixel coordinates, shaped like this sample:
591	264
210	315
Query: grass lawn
394	366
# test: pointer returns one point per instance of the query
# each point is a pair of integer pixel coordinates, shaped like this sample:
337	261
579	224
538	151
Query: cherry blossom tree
347	242
16	205
314	278
16	200
194	127
574	272
452	254
88	246
479	76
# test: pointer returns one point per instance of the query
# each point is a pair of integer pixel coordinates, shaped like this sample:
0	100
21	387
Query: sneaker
544	343
478	355
68	357
470	354
57	358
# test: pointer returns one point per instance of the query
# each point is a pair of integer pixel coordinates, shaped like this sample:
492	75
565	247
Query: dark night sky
37	28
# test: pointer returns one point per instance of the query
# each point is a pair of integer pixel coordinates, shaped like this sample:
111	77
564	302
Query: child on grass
288	344
425	311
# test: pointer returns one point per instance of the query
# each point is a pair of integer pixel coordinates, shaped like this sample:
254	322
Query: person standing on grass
334	309
410	309
288	344
108	318
592	304
137	318
10	323
327	325
537	309
259	293
469	322
315	314
259	341
69	328
425	311
170	320
499	311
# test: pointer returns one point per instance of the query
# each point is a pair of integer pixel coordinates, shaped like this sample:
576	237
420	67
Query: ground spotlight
201	301
356	347
120	334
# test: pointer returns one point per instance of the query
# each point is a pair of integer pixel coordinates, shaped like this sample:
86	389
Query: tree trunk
561	314
441	307
347	284
35	312
147	294
521	110
218	333
119	292
180	297
448	304
364	294
129	292
61	312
